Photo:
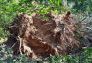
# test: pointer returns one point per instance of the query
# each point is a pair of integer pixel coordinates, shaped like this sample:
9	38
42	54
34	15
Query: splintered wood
38	36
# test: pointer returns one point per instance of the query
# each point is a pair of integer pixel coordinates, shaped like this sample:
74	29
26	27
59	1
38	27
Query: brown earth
43	35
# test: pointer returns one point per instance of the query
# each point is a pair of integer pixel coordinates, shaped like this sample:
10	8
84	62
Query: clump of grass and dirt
36	31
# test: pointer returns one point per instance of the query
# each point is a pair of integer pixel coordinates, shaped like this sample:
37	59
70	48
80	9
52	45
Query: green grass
7	57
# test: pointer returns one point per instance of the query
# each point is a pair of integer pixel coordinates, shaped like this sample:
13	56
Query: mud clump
38	36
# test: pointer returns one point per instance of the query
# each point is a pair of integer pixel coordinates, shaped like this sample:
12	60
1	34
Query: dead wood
43	35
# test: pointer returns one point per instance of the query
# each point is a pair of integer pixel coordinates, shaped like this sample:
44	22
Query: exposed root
42	38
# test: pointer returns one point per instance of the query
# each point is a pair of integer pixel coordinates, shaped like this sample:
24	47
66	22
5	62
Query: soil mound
43	35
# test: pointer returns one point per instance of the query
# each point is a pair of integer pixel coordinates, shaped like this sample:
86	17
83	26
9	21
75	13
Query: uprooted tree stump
43	35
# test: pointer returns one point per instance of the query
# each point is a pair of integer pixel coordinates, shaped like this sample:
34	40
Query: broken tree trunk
43	35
